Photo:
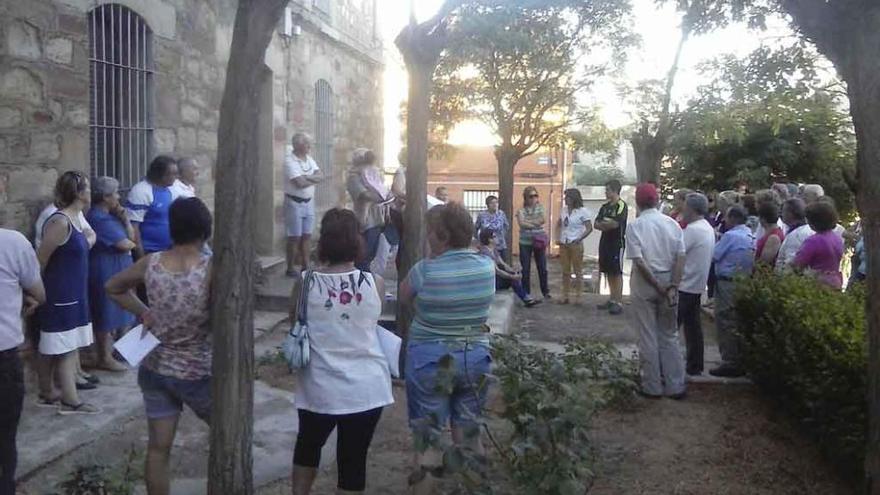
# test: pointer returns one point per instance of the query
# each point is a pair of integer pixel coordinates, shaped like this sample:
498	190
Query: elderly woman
64	321
110	255
347	382
372	200
767	248
178	371
450	294
533	240
820	253
495	220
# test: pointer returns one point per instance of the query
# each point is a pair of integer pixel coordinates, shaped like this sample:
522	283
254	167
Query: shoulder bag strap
303	303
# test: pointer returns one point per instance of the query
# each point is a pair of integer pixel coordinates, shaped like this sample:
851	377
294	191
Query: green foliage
550	400
597	176
98	479
765	117
595	138
806	346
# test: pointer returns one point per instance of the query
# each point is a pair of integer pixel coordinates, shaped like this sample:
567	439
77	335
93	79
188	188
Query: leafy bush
806	345
97	479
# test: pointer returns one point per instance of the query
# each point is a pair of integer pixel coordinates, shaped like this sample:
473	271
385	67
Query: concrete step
273	294
268	266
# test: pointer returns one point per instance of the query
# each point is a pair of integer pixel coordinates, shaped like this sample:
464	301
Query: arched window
121	84
324	141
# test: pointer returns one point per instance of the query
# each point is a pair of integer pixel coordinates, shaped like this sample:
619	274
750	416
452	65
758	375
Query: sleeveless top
155	229
759	247
347	372
66	279
179	302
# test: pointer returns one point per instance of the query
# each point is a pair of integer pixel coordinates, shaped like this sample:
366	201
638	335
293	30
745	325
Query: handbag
296	345
540	241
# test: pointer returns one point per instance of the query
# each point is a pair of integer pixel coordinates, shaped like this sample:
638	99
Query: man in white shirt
301	173
699	243
795	218
21	290
185	185
655	245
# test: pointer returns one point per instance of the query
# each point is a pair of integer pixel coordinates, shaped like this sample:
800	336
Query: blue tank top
66	278
155	229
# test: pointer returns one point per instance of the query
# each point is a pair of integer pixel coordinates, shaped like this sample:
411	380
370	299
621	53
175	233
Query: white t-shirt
41	222
181	189
699	243
295	167
656	238
791	245
574	223
19	269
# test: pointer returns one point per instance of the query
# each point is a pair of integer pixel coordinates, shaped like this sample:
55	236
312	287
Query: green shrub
806	346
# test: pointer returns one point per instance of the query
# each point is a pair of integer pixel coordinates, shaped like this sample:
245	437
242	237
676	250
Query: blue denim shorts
164	396
433	408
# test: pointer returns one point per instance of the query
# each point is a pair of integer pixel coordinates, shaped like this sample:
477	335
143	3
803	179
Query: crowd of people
101	265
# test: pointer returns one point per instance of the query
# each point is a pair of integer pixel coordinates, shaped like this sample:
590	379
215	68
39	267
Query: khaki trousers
662	366
572	258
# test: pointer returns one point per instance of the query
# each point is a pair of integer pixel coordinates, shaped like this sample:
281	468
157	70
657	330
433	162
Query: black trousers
352	443
11	399
689	317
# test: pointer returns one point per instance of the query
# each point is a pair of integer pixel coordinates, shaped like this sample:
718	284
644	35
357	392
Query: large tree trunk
647	158
232	300
849	36
507	159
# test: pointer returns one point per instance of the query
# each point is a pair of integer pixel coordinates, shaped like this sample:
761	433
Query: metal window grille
121	87
475	201
324	142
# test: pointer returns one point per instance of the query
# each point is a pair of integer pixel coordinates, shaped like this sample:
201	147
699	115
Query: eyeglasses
533	196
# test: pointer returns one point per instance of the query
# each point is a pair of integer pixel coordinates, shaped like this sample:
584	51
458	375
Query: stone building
103	86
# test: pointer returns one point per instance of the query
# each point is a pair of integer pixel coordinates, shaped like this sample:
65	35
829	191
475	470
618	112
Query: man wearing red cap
655	244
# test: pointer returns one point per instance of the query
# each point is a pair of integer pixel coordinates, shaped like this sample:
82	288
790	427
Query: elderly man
442	194
812	193
185	186
655	245
148	203
301	173
699	241
734	256
21	291
795	218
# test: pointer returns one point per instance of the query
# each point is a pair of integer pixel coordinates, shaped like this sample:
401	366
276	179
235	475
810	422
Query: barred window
121	93
324	142
475	201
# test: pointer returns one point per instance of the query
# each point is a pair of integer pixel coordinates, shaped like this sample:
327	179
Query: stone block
67	83
42	117
186	139
167	102
21	84
56	108
75	24
9	117
77	115
189	114
166	141
166	57
75	151
15	146
31	183
59	50
45	147
207	140
23	40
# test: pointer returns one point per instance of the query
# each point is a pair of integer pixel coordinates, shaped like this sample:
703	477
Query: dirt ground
720	440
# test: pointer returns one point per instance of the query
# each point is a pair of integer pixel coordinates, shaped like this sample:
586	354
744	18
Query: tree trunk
232	300
507	159
647	160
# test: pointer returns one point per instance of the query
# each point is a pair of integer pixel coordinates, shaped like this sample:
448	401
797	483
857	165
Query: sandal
47	402
86	385
90	378
81	408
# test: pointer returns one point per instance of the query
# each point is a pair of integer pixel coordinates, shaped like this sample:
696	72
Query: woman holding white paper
347	381
178	370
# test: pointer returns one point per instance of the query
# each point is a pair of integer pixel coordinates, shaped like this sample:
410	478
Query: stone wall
44	92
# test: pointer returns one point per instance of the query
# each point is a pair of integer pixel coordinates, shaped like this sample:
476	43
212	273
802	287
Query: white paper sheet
390	345
133	348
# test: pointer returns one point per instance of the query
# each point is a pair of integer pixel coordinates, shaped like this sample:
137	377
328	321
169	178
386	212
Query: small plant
97	479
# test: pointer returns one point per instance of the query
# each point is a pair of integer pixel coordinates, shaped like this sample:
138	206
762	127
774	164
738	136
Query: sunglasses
533	196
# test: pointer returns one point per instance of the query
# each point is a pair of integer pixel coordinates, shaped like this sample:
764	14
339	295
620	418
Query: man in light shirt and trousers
699	242
734	257
301	173
655	245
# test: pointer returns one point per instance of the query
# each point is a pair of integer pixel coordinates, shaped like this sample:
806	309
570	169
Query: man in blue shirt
734	256
148	203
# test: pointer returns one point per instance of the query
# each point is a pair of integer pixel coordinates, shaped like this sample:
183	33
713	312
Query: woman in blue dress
64	321
110	255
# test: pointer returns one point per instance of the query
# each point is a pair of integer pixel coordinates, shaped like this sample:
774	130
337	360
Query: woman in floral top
178	371
495	220
533	240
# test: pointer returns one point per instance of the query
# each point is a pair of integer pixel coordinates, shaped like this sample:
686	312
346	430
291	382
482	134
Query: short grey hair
104	186
796	207
816	189
300	138
186	162
697	202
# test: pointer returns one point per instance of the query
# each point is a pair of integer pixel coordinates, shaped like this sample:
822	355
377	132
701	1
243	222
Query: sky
658	28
